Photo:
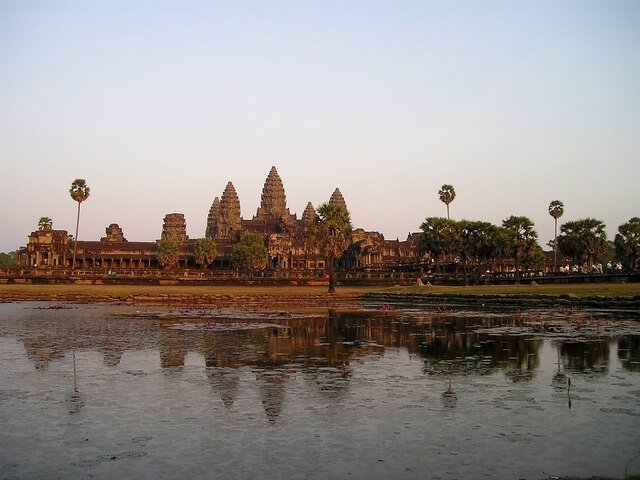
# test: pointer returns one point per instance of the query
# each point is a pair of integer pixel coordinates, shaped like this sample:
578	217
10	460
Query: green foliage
168	253
8	260
331	231
205	252
519	240
447	194
627	241
535	260
440	236
250	252
583	240
556	209
479	240
45	223
79	190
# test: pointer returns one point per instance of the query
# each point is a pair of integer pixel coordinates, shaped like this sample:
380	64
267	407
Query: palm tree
168	253
331	229
45	223
627	241
447	194
250	252
583	240
205	252
556	209
79	191
520	240
438	238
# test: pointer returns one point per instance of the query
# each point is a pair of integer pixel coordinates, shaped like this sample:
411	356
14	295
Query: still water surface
97	391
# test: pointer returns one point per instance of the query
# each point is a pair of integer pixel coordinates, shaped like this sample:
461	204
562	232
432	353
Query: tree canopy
583	240
8	260
447	194
205	252
519	240
168	253
556	209
479	240
79	190
250	252
440	236
627	241
331	231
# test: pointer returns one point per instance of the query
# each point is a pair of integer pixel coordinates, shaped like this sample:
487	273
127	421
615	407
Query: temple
285	235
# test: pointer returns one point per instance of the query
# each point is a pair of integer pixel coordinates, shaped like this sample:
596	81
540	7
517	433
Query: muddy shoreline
337	299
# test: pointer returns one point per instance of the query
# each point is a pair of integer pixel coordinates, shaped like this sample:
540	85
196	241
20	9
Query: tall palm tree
520	240
79	191
447	193
331	230
556	209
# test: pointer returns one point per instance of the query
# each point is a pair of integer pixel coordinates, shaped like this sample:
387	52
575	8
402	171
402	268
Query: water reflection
455	346
629	352
373	394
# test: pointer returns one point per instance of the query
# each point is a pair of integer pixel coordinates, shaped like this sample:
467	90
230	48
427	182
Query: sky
158	104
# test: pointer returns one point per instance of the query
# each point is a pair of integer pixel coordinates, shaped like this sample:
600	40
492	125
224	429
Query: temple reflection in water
391	385
282	344
451	345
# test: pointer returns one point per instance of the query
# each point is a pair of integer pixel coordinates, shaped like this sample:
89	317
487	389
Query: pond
104	391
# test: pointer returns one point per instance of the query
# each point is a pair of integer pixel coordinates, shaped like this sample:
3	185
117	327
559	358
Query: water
97	391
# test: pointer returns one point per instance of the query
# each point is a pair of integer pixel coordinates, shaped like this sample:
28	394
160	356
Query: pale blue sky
158	104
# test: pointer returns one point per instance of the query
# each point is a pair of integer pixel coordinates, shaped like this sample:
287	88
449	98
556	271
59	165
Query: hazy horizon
158	105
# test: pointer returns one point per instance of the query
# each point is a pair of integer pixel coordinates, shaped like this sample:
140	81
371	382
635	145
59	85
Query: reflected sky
368	392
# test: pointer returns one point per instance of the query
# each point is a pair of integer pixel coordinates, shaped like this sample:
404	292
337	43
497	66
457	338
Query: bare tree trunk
555	246
75	240
332	280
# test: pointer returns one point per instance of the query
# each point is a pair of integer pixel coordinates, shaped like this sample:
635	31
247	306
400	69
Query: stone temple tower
174	228
336	197
309	214
212	218
224	217
273	203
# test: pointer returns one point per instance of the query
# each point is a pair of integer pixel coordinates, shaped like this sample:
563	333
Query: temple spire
309	214
212	219
273	202
337	198
229	220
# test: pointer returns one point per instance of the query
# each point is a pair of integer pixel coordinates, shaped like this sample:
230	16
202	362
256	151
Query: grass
579	290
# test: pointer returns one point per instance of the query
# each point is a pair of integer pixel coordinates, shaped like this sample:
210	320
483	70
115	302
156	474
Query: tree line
480	243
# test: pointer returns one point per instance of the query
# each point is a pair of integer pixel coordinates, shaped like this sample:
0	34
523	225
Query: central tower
273	202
